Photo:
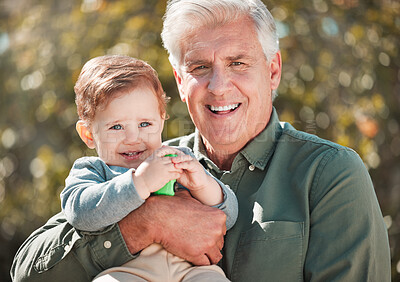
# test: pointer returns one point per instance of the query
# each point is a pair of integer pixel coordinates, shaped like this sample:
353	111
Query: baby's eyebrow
109	123
147	119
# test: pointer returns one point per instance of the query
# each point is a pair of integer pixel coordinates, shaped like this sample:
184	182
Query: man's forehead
228	50
230	40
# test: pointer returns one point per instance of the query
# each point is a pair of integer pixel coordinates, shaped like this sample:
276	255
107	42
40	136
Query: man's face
226	82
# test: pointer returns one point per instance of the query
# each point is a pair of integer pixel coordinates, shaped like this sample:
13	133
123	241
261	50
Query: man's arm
348	238
57	252
181	224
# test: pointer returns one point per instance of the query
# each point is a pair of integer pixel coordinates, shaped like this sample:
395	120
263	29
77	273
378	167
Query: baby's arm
94	197
205	187
201	185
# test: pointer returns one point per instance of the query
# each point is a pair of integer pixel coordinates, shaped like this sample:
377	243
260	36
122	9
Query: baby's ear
85	134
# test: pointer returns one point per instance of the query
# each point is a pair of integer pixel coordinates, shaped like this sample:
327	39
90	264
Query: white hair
184	16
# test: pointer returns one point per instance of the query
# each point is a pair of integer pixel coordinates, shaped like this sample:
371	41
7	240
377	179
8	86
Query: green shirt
307	211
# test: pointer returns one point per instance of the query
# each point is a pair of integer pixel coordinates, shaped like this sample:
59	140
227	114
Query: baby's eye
116	127
144	124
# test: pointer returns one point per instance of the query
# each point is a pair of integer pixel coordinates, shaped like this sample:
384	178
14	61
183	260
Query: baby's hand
201	185
156	171
193	175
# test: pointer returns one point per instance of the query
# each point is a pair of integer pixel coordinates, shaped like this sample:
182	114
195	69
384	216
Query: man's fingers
198	243
215	256
220	243
209	258
201	260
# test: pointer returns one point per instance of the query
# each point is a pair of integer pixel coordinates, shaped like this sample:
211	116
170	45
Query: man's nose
219	82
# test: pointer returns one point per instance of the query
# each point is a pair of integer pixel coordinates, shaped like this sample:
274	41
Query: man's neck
222	157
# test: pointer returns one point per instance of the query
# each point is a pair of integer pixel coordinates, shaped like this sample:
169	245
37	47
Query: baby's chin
125	163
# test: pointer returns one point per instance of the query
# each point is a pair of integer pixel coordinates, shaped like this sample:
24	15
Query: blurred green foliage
341	81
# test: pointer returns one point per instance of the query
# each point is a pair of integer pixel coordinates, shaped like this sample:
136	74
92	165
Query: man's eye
116	127
144	124
198	68
237	63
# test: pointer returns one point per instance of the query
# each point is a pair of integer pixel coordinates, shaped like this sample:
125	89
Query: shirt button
251	167
107	244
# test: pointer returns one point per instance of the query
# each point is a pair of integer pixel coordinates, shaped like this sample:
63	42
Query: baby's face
128	129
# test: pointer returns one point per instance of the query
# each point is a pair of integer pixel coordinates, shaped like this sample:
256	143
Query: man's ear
276	70
85	134
178	80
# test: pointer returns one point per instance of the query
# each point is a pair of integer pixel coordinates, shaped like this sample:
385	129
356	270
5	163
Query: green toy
167	189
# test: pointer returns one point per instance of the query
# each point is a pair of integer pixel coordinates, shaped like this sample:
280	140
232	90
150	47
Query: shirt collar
257	152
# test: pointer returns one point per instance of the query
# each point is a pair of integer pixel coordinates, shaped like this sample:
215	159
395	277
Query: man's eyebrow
195	62
238	57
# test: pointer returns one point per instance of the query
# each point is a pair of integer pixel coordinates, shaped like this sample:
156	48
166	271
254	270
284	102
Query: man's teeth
131	154
224	108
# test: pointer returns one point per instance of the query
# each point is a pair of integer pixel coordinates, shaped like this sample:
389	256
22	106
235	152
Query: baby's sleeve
92	200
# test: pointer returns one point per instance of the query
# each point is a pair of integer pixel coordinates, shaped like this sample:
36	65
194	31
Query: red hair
102	78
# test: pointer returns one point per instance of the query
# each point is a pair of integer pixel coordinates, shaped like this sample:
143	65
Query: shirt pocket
54	252
270	251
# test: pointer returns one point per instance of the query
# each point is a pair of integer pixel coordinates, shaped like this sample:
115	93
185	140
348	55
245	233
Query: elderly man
307	207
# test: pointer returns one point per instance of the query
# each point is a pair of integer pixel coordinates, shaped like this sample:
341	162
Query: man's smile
223	109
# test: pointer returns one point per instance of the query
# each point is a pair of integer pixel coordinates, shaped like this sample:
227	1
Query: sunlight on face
226	83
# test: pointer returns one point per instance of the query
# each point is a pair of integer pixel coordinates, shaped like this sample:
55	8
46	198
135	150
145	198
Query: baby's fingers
166	150
181	158
191	165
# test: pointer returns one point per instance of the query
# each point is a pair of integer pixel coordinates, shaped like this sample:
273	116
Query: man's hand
181	224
